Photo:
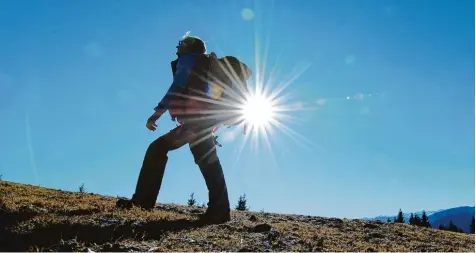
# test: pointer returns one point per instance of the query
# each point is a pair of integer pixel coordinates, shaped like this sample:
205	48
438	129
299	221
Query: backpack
223	80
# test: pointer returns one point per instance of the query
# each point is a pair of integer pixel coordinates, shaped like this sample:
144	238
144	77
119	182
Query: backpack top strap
173	65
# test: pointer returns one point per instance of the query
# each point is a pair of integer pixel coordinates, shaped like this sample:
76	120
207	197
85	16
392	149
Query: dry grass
39	219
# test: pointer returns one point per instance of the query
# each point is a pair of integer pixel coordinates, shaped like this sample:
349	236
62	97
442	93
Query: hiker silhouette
197	79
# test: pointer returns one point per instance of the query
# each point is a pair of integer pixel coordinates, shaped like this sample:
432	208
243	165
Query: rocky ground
39	219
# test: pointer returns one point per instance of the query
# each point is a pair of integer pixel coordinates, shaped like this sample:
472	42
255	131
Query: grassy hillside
35	218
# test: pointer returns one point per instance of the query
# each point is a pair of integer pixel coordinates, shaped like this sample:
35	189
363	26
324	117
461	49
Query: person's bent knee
160	146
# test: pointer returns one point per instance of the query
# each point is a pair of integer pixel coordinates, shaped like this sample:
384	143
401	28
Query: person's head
191	44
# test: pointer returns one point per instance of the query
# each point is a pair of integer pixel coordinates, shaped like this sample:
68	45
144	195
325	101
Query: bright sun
258	110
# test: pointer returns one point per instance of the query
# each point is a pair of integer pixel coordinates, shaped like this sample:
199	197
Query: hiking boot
123	203
210	218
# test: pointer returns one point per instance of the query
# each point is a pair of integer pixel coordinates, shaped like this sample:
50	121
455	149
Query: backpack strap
173	65
199	77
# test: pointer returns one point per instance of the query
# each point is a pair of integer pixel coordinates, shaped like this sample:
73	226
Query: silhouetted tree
388	220
82	189
416	220
204	205
471	226
191	201
241	206
452	227
411	220
400	218
424	220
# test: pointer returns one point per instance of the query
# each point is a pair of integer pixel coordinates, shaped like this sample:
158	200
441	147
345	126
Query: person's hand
151	125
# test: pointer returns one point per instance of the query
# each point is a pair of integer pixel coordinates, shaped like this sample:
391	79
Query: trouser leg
205	155
153	167
151	174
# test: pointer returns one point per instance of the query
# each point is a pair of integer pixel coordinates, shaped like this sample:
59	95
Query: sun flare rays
265	110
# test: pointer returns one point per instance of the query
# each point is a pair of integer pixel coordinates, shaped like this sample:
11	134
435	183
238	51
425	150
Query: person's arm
184	66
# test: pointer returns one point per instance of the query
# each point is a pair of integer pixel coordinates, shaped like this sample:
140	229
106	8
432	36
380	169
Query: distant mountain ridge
461	217
405	215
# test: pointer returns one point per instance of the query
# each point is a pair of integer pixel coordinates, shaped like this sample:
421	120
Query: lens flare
258	110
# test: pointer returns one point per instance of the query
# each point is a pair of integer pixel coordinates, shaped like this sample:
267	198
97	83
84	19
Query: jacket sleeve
184	66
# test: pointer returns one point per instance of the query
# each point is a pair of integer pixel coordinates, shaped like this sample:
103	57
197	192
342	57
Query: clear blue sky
390	93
